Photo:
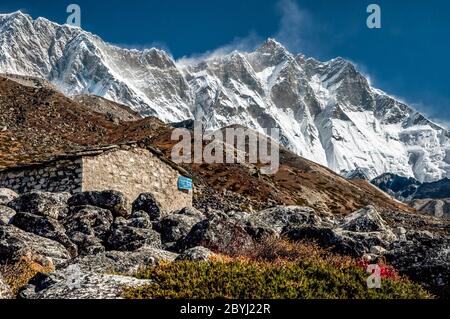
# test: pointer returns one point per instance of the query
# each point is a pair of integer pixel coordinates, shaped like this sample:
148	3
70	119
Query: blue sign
184	183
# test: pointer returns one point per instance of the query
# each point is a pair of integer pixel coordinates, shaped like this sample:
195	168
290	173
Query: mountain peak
14	16
326	111
272	45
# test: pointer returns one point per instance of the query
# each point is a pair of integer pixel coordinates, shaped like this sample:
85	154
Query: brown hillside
38	122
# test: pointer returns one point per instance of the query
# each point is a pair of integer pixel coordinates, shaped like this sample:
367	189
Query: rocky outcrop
123	262
89	220
175	227
354	236
281	217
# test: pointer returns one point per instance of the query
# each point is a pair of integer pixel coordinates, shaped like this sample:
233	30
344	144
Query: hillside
327	111
41	123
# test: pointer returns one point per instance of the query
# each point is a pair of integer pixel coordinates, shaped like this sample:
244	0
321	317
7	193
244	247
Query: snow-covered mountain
326	111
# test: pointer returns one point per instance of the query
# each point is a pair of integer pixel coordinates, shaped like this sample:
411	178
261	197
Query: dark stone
291	216
15	243
192	212
174	227
220	235
146	202
53	205
114	201
426	261
44	227
123	237
327	238
87	244
89	220
365	220
140	219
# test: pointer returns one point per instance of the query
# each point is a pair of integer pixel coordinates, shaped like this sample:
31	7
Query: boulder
281	217
75	283
53	205
89	220
255	226
44	227
364	221
259	230
5	290
146	202
355	236
140	219
113	201
7	195
124	262
196	254
6	215
15	243
124	237
327	238
174	227
192	212
87	244
218	234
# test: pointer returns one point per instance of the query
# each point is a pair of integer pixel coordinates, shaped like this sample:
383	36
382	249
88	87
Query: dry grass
17	275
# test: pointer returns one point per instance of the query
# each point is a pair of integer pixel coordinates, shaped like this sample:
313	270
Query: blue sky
409	57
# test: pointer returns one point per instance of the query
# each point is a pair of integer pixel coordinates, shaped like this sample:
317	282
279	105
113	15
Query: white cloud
296	26
246	44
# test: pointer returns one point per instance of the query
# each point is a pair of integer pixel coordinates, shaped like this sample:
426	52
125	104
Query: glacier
326	112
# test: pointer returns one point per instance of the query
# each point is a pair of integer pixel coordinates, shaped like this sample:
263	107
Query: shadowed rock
114	201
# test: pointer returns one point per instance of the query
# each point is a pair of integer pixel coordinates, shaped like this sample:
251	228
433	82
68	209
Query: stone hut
128	168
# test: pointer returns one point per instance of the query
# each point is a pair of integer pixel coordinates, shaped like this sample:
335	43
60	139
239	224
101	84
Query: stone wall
133	171
58	176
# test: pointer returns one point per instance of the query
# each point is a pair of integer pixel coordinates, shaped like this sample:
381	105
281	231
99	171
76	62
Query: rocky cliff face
326	111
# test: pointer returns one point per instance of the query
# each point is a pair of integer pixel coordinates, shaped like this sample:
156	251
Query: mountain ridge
326	111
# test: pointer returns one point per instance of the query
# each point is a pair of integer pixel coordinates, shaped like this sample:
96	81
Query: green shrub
244	278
